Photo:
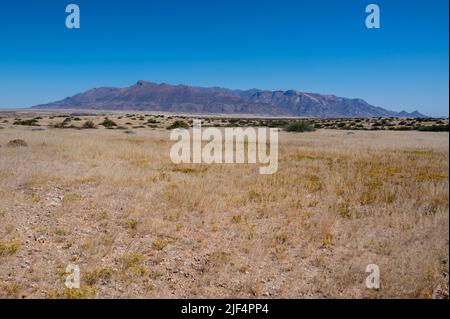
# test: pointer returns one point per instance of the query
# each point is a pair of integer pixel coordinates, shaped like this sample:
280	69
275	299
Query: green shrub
89	125
32	122
108	123
433	128
178	124
299	126
276	123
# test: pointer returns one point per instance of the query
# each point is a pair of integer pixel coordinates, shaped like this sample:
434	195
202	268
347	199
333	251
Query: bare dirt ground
112	202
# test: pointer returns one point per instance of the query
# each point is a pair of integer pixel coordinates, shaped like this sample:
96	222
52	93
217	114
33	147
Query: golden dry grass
140	226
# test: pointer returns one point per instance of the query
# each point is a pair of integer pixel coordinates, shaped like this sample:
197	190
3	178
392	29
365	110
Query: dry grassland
140	226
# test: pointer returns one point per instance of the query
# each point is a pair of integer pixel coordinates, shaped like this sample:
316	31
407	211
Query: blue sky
317	46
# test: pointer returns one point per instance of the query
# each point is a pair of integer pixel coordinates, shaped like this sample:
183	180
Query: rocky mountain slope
188	99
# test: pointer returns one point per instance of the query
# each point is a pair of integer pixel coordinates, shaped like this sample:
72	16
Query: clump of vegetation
85	292
9	289
17	143
433	128
131	224
134	263
299	126
178	124
160	243
103	274
32	122
73	196
274	123
108	123
89	125
59	231
9	248
155	275
60	125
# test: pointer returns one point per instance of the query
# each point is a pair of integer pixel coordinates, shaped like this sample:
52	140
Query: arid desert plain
111	201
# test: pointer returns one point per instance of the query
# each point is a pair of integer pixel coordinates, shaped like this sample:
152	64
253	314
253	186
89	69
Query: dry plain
139	226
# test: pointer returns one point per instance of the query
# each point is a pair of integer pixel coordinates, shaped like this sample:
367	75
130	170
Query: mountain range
148	96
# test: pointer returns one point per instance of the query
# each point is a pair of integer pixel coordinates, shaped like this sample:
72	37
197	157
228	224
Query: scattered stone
39	237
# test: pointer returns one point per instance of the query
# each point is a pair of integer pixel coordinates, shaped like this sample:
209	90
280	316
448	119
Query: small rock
39	237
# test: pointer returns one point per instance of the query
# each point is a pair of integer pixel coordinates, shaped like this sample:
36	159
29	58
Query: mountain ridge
150	96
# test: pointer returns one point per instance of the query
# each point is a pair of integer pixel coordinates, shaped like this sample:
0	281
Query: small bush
108	123
17	143
9	290
98	274
60	125
299	126
433	128
401	128
160	243
131	224
275	123
178	124
9	248
32	122
89	125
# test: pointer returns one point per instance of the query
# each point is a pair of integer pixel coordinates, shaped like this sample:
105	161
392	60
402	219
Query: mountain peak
142	82
414	114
